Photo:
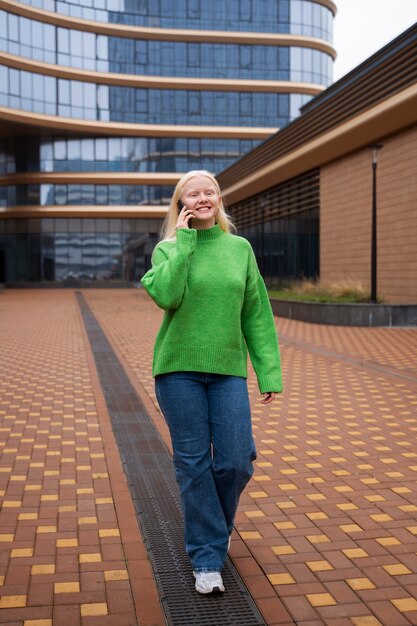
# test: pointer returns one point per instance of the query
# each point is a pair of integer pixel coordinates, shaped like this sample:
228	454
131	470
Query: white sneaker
208	582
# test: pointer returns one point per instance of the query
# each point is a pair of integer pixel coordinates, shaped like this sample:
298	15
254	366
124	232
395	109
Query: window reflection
135	154
77	251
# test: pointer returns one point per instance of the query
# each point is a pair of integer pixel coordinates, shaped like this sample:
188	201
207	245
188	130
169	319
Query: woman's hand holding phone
184	216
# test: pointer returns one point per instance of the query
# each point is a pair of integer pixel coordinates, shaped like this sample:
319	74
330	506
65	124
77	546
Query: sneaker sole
215	591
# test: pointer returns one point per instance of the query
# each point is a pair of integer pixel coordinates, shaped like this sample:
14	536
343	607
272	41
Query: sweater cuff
270	383
187	237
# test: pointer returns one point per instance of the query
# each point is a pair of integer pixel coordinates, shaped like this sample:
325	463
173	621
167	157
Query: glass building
105	103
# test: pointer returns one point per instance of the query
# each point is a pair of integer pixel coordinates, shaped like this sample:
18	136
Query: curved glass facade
87	248
89	51
119	154
298	17
76	99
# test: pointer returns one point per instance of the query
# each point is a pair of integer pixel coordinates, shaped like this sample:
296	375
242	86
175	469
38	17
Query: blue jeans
209	419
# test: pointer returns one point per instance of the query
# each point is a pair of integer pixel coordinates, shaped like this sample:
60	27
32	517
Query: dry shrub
349	288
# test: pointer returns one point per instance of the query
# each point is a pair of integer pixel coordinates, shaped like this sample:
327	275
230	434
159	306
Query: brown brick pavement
326	532
71	552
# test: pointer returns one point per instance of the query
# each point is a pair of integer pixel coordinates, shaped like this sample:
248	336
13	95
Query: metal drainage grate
149	470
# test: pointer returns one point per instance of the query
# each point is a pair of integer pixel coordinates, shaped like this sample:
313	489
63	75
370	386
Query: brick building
304	197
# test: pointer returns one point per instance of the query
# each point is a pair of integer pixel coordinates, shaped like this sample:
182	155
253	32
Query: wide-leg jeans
209	419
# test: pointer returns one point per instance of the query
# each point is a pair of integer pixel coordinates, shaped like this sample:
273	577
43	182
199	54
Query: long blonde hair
222	218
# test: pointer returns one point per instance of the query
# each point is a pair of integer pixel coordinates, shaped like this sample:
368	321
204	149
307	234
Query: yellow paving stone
12	504
381	517
109	532
321	599
66	543
104	500
281	579
405	604
90	557
287	486
6	537
408	508
358	584
288	504
319	566
101	475
94	609
70	587
316	496
365	620
37	622
12	602
21	552
412	529
250	534
261	478
388	541
251	514
42	569
350	528
282	550
375	498
46	529
317	515
284	525
397	569
83	490
355	553
33	487
87	520
258	494
49	498
120	574
347	506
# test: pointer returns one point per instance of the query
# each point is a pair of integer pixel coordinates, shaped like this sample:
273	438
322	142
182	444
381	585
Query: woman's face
201	197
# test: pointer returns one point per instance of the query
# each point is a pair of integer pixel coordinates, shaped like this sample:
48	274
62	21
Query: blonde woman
216	310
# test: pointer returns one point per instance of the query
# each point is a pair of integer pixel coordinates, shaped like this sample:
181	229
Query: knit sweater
216	308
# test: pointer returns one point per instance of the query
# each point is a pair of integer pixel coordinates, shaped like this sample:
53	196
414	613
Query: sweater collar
209	234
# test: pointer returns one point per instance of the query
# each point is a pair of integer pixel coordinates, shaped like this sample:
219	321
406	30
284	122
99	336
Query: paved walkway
326	532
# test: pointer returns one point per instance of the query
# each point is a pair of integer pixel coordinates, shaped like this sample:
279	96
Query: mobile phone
181	205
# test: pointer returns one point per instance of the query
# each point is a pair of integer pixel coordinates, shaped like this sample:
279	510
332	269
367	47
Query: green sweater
216	308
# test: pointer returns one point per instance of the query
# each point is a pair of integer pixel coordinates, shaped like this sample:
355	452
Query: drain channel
149	470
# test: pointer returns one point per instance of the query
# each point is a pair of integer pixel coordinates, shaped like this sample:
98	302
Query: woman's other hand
268	397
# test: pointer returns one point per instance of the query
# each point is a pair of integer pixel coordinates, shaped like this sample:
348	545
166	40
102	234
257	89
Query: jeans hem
205	570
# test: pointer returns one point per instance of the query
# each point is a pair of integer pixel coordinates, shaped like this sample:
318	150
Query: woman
216	307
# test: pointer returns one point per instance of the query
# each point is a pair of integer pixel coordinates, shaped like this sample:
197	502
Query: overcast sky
361	27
